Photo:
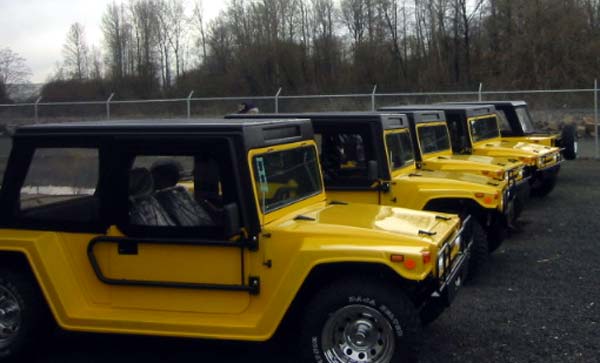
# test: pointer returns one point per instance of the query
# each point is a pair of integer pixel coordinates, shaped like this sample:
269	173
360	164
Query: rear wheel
569	142
23	314
360	320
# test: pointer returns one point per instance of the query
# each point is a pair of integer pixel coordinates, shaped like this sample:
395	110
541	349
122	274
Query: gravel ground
538	302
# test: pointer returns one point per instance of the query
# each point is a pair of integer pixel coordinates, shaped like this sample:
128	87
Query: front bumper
452	272
540	174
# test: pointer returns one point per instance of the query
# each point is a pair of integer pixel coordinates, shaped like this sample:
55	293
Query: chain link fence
551	109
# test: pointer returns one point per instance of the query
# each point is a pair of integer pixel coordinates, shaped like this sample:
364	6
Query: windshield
285	177
400	150
433	139
484	129
525	119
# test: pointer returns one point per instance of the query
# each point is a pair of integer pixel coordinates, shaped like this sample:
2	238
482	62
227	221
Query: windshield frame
296	204
408	164
447	151
525	119
472	120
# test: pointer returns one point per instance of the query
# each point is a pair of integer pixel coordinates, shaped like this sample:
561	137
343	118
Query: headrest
140	183
166	173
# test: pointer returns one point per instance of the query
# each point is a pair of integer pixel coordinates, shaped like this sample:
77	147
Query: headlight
440	265
458	241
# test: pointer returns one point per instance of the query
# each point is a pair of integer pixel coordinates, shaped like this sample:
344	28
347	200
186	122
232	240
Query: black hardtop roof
388	120
424	116
505	103
149	125
462	109
256	132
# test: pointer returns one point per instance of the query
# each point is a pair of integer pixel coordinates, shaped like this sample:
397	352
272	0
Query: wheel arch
323	274
455	205
20	262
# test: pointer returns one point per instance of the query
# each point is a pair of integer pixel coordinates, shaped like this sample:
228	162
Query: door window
345	156
187	194
60	185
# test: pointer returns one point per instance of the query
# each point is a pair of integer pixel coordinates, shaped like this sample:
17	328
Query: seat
144	209
175	199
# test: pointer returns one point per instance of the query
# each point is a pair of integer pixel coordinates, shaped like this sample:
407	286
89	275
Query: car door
166	250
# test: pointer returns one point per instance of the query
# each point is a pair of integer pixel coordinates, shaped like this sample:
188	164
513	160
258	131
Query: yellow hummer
474	130
212	229
516	124
368	157
433	150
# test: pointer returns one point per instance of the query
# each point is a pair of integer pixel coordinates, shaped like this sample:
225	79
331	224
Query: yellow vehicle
474	130
516	124
101	233
433	150
368	157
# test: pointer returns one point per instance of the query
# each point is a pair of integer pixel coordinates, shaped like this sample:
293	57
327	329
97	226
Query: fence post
373	105
480	93
277	100
35	109
189	106
596	117
108	105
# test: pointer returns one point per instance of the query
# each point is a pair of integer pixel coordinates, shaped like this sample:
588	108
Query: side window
60	185
503	121
345	157
181	191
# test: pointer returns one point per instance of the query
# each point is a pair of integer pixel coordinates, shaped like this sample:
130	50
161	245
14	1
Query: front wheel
360	321
480	250
543	187
23	315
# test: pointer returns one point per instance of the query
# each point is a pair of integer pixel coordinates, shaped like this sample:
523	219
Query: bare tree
96	64
200	25
13	69
76	52
114	29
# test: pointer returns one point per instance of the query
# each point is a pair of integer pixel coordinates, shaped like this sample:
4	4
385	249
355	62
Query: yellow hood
382	223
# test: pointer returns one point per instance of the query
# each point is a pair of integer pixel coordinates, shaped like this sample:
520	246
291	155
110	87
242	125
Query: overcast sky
36	29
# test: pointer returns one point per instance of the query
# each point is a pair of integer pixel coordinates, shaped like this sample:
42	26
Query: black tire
543	187
19	287
387	307
568	140
480	251
496	234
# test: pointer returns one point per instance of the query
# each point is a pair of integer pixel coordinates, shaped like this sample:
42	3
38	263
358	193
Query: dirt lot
539	301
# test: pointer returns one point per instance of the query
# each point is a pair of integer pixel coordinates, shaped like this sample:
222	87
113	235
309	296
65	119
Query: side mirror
231	219
372	170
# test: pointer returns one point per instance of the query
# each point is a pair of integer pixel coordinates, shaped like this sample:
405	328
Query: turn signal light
426	256
479	195
397	258
527	160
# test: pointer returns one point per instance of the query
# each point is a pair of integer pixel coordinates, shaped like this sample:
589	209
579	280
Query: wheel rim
358	333
10	316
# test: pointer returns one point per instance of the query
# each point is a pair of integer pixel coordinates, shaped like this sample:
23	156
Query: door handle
128	248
